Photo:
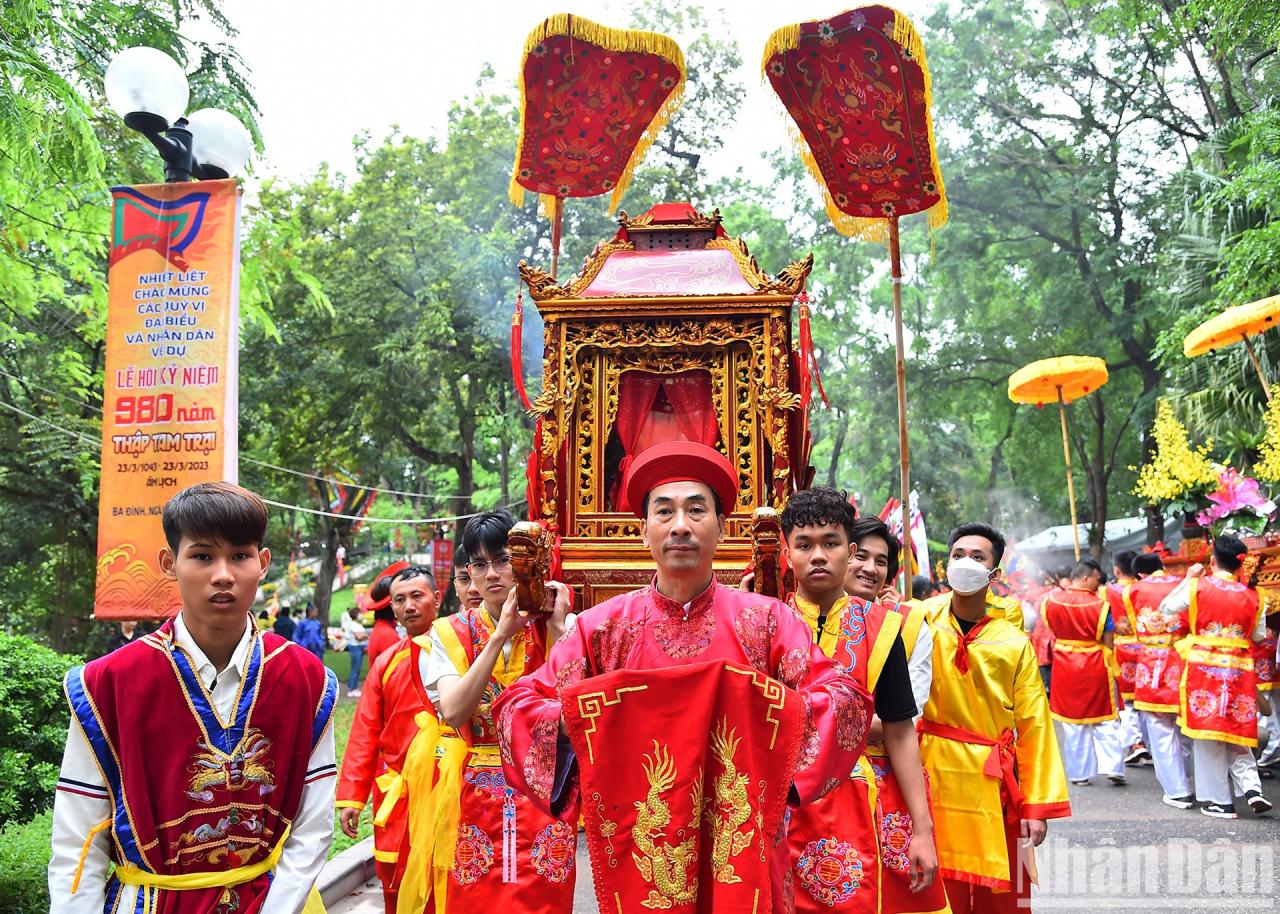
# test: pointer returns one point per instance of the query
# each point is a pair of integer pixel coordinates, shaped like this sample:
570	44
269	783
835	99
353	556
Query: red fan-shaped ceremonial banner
859	90
594	99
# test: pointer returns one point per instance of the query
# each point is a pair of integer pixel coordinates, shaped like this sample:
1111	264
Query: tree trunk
993	474
837	447
328	570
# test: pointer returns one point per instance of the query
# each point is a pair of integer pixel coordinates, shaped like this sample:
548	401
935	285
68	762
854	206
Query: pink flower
1235	494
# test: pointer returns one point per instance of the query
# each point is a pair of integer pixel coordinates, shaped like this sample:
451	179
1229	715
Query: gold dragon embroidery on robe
729	808
671	869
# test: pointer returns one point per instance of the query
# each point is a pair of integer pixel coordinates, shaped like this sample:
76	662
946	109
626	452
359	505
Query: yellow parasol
1234	325
1065	378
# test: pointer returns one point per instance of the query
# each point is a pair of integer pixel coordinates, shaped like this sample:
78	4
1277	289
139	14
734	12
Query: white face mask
967	576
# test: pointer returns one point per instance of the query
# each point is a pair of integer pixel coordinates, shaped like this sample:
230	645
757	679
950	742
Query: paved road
1122	849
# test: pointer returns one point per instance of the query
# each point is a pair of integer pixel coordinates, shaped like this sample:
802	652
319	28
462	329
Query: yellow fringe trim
866	228
620	41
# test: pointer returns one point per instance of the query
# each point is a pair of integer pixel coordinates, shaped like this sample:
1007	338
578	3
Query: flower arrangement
1177	476
1236	506
1268	467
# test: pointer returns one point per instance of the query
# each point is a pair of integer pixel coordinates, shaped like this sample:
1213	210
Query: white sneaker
1179	802
353	693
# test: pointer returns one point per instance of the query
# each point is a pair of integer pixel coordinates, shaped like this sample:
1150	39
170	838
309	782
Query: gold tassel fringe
874	228
620	41
782	40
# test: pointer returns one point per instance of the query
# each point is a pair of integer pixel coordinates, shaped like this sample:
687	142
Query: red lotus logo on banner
168	227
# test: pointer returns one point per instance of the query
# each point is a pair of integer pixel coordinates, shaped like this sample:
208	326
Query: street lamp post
148	89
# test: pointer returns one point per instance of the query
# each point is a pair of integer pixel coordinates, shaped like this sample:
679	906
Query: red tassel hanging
517	350
807	357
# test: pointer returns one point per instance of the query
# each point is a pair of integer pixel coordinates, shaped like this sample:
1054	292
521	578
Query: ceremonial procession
878	520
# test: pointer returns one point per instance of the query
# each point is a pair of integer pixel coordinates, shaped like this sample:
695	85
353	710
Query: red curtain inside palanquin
858	94
586	109
656	408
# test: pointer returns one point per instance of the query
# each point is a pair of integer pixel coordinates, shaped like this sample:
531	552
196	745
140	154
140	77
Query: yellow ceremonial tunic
999	607
1000	709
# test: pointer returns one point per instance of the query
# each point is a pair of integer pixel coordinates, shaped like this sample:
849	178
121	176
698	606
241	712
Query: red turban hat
682	461
393	568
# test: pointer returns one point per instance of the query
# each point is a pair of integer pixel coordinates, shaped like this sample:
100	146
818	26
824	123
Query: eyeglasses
501	563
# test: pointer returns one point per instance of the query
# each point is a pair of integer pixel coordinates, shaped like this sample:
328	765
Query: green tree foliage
60	150
33	725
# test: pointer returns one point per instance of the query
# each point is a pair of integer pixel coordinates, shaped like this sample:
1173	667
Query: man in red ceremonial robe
199	759
987	736
384	633
681	491
1217	704
852	848
386	723
1127	651
492	849
1083	698
1155	682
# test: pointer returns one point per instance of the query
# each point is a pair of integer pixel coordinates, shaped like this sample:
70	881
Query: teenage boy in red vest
494	850
842	831
1084	697
1217	697
200	758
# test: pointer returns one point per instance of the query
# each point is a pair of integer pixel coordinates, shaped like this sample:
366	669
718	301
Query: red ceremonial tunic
893	816
1083	688
834	849
676	821
1218	694
208	796
509	854
1127	649
1155	681
383	636
383	728
644	630
1264	663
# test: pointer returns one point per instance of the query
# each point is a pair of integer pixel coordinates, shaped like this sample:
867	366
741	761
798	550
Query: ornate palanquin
705	336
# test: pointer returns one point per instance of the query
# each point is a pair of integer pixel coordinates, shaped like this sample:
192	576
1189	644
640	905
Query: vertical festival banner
170	391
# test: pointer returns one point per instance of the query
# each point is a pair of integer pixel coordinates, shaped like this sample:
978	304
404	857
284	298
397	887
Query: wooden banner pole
1266	388
1071	486
557	221
895	263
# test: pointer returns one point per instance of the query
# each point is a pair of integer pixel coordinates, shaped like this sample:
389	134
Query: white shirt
920	666
82	801
354	631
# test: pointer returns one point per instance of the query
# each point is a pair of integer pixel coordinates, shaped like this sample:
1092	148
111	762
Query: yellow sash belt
129	874
1209	642
1074	646
391	783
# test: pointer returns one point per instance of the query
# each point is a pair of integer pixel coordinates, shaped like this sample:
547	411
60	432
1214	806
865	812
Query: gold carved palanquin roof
671	251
